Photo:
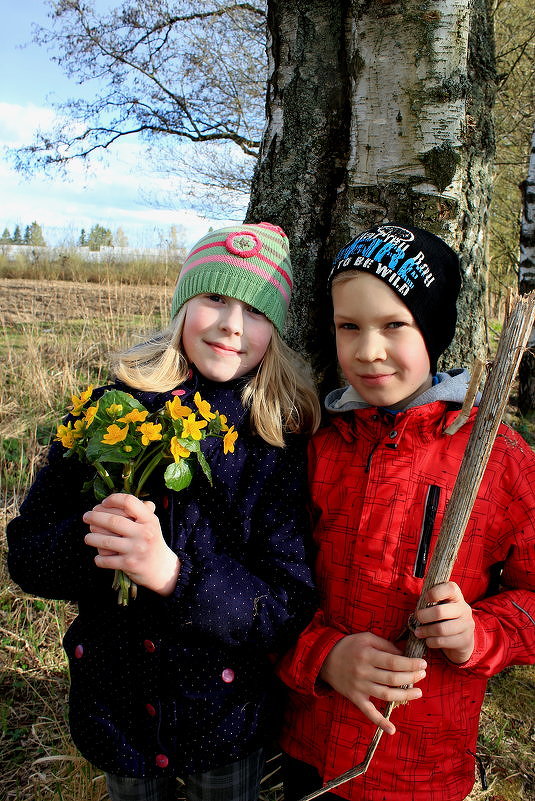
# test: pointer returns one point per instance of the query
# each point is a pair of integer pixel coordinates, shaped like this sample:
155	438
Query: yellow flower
223	420
67	435
114	409
114	434
191	427
178	450
229	439
89	415
203	407
151	432
79	402
176	410
135	416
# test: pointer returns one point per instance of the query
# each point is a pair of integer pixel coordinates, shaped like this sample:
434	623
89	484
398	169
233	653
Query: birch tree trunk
377	111
526	394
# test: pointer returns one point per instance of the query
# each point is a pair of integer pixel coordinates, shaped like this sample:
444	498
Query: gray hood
451	387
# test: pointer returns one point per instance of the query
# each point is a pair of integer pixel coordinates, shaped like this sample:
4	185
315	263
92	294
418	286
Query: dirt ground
24	301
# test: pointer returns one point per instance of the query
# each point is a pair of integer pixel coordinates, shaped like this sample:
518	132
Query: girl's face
380	348
223	337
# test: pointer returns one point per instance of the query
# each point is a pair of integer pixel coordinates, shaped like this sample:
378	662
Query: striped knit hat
248	262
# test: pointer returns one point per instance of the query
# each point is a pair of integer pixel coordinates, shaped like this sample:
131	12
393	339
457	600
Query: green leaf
100	489
205	466
178	475
192	445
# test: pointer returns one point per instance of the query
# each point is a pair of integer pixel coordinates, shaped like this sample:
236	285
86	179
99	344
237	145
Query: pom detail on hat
243	244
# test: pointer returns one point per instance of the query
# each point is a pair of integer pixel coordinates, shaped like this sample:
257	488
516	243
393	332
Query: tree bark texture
377	110
526	393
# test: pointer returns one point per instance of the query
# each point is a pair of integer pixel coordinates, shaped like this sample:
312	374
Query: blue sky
114	193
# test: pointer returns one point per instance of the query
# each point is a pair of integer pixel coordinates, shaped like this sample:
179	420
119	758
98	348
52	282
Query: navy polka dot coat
185	683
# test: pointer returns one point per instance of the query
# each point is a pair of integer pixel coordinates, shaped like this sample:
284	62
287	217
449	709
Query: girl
179	682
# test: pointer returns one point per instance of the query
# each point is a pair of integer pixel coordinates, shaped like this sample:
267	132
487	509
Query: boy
381	475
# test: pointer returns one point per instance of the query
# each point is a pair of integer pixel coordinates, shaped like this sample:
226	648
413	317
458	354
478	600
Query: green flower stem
105	476
148	470
125	587
127	476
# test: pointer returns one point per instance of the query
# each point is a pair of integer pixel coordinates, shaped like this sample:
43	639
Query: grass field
54	340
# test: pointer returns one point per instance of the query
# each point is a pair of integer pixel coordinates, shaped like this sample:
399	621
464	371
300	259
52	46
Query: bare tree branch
163	70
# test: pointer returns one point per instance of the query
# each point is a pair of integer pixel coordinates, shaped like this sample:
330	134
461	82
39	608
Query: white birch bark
377	111
409	58
526	281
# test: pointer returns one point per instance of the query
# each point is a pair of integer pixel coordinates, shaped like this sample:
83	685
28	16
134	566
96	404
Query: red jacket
371	474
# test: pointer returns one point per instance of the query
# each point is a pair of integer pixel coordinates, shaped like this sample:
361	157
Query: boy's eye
215	298
348	326
396	324
254	310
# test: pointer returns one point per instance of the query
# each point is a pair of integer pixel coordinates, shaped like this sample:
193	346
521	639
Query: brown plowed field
24	301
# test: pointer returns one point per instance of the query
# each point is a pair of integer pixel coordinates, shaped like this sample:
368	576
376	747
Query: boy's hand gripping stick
494	399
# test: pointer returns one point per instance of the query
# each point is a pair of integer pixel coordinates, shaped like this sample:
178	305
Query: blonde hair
343	278
281	395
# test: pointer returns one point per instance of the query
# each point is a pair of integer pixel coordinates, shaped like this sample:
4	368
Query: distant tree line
98	237
33	235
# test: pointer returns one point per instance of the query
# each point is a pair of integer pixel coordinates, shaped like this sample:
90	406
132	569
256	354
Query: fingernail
420	675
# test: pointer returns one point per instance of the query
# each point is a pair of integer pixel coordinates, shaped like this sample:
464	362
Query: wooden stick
475	380
511	346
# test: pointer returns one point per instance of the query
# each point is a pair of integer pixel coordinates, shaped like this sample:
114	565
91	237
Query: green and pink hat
250	262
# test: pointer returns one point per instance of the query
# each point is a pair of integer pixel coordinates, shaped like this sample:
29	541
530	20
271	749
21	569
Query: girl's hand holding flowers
124	443
128	537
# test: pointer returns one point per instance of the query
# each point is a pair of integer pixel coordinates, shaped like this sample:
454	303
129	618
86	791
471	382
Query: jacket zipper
431	508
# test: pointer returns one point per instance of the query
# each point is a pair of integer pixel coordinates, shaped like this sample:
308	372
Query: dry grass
72	264
54	340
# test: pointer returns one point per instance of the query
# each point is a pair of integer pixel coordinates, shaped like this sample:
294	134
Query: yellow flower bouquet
124	443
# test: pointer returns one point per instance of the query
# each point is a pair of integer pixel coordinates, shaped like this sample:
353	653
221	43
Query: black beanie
420	267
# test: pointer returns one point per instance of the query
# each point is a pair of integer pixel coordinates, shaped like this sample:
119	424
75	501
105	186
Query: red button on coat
161	761
150	710
228	675
149	646
79	651
165	501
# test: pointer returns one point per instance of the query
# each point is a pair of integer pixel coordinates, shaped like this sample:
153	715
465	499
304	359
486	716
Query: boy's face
380	348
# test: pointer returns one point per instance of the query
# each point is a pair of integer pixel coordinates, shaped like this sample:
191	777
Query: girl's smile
224	337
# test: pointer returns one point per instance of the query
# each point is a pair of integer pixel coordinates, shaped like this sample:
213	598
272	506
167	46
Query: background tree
183	71
6	237
16	239
377	111
526	395
99	237
120	239
82	241
514	25
33	235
